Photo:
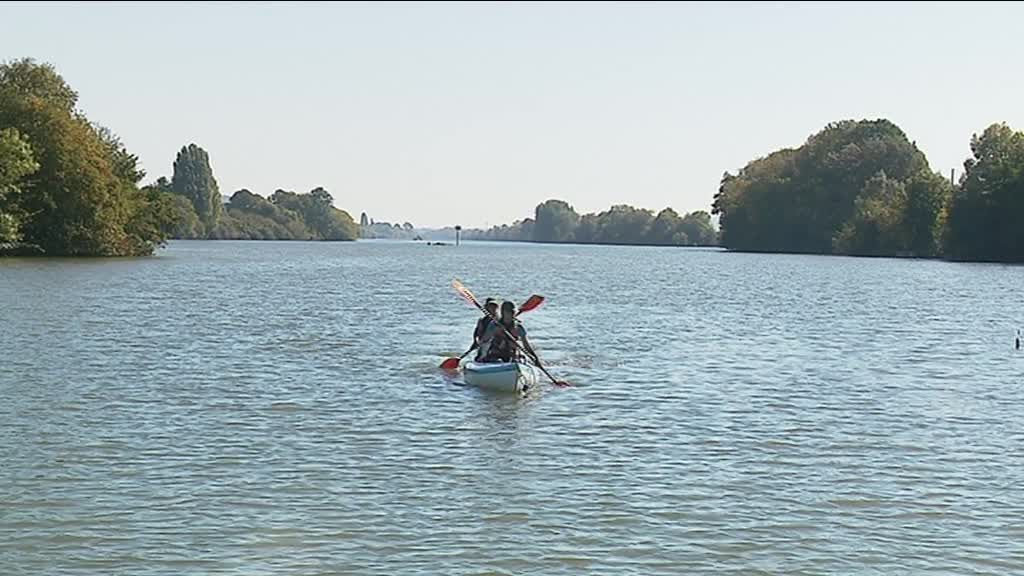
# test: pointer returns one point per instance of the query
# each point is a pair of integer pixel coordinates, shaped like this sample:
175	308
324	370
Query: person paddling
481	336
503	337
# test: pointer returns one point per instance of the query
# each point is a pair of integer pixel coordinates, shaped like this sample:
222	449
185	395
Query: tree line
385	230
200	213
863	188
69	187
555	221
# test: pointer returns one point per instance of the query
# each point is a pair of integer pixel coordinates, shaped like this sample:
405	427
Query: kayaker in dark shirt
480	334
502	346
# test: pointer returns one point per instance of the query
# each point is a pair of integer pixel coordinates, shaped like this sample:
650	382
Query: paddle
531	303
453	363
468	296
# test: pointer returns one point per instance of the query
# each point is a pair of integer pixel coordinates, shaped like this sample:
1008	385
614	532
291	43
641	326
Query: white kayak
506	377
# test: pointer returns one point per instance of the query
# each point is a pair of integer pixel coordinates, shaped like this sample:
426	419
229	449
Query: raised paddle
468	296
531	303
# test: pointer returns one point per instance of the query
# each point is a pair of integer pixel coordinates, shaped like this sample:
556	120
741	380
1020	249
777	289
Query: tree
83	199
586	231
317	211
16	162
874	229
696	230
193	179
664	228
623	224
555	221
806	199
987	209
408	227
26	78
928	195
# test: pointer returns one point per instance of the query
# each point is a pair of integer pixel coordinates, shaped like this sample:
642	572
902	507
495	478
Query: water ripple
275	408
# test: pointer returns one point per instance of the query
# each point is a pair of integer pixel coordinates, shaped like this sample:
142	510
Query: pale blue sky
473	113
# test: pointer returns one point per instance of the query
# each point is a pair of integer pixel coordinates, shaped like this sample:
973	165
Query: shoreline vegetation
69	187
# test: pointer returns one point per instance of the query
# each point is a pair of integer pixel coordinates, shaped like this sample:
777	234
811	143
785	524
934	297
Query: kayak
508	377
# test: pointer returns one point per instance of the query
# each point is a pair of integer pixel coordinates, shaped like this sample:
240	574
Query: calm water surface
274	408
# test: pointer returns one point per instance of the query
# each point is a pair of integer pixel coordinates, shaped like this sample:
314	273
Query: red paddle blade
531	303
563	384
450	364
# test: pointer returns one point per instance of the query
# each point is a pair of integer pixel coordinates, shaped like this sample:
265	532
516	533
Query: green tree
16	162
317	211
28	79
665	229
623	224
874	229
928	195
81	200
555	221
985	215
193	179
805	199
696	230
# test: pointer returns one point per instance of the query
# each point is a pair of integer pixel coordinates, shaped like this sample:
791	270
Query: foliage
83	199
555	221
987	211
16	162
385	230
284	216
621	224
193	179
854	187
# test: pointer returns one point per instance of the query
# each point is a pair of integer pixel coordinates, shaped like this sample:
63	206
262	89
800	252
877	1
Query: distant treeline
69	186
557	222
862	188
385	230
199	212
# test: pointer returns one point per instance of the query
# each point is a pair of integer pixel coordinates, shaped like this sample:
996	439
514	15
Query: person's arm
528	347
477	335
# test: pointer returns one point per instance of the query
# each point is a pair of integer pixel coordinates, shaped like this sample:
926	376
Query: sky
473	113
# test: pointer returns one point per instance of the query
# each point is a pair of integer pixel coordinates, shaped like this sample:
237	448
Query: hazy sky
469	114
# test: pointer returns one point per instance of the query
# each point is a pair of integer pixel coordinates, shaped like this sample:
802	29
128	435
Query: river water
275	408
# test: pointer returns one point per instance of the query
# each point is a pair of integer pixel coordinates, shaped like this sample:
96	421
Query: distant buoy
1017	340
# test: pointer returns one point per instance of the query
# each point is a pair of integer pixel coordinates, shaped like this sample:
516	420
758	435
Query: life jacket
501	346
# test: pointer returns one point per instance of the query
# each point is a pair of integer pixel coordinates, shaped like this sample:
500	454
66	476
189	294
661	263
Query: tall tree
193	179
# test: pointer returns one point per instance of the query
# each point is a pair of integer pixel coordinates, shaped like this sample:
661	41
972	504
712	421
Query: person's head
491	305
508	311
